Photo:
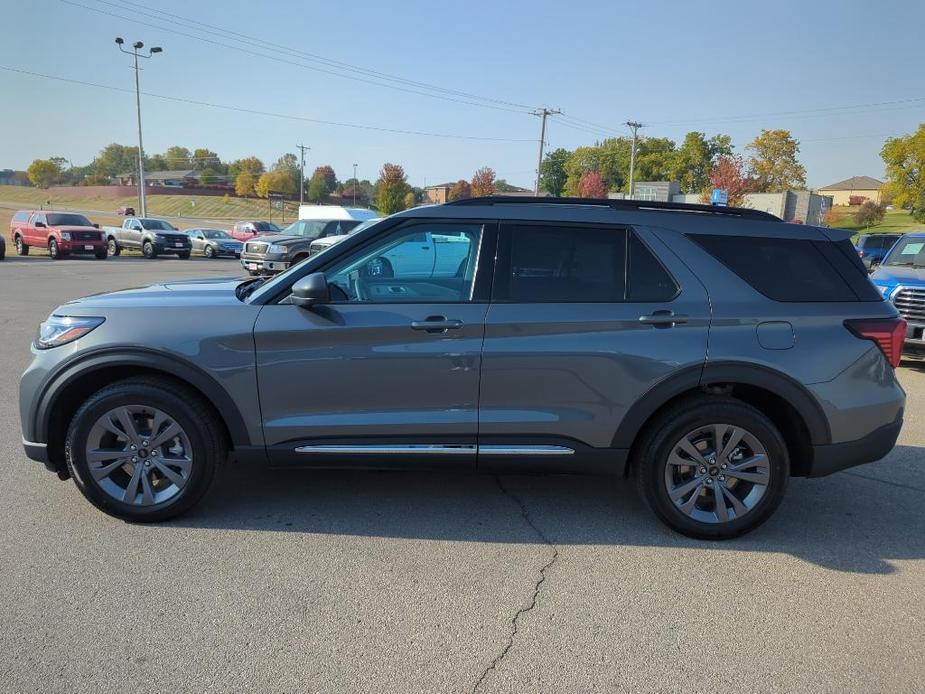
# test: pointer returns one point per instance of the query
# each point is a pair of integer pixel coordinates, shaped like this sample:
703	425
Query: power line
292	62
306	119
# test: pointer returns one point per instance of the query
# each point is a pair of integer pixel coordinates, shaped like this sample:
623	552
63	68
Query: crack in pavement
536	587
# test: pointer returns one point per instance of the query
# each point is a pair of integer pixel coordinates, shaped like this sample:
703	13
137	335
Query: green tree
580	162
317	189
391	189
114	160
773	162
905	170
252	165
43	172
483	182
276	181
177	158
244	184
552	172
203	158
654	156
410	199
695	157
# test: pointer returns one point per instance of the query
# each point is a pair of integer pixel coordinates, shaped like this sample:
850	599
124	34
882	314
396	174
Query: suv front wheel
144	449
712	467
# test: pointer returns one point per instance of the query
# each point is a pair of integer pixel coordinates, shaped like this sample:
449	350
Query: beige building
861	188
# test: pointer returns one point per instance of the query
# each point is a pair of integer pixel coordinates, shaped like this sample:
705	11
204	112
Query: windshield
318	228
72	220
284	278
266	226
215	234
157	225
910	252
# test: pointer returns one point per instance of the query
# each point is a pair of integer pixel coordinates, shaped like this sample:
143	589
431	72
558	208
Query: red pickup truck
62	233
246	230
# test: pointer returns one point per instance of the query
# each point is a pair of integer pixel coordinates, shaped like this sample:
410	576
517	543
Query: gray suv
706	353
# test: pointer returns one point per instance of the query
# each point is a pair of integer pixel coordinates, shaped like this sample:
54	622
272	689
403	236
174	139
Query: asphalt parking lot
371	582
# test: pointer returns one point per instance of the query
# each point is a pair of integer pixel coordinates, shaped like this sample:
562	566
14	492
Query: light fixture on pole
136	47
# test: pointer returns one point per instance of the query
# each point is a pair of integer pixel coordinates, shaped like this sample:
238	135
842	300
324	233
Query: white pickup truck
152	237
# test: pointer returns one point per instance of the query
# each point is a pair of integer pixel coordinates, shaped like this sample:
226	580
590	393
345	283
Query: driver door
387	372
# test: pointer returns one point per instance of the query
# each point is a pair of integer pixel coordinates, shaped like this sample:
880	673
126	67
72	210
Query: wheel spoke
719	504
99	455
169	473
127	422
172	430
689	448
688	505
131	490
147	494
100	472
753	477
759	461
740	508
156	424
735	438
678	492
675	459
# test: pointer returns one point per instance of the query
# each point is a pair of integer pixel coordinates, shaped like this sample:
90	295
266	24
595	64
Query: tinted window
400	269
788	269
75	220
648	279
266	226
158	225
215	234
562	264
20	216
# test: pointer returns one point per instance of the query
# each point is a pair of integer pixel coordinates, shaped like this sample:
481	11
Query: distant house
173	179
439	194
854	190
654	191
9	177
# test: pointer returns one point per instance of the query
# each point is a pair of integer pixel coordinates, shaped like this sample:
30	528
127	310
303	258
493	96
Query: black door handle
436	324
663	319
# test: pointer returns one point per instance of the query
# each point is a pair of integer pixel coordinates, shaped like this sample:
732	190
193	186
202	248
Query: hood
70	227
186	293
329	240
899	274
279	239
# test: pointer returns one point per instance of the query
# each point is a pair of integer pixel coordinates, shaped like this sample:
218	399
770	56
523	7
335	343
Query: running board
433	449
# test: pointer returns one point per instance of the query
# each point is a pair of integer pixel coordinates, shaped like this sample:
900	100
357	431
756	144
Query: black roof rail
629	205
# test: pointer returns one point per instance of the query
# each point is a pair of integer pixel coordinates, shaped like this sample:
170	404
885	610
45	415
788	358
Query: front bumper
171	248
266	265
915	339
834	457
78	247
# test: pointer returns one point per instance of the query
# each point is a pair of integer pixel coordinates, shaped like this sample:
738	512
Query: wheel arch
795	412
76	380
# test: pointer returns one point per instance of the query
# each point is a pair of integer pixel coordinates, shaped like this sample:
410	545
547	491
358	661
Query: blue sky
676	66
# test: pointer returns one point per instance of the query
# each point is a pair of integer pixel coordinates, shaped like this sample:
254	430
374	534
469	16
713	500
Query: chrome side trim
524	450
392	449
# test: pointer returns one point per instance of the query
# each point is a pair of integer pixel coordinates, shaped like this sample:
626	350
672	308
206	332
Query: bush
870	214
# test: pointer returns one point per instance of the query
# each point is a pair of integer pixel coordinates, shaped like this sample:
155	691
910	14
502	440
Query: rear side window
562	264
793	269
21	216
648	279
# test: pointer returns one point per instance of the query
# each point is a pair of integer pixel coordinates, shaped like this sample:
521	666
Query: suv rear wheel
712	468
144	449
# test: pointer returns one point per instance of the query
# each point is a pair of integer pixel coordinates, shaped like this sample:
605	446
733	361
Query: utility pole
635	128
302	149
355	184
137	46
542	112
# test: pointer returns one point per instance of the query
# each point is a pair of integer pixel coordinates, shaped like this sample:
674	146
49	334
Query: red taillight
861	254
888	333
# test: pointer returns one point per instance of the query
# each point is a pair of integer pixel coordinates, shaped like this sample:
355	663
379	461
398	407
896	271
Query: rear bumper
834	457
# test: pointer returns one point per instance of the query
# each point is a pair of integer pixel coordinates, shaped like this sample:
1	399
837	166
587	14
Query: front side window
266	226
419	263
568	264
214	234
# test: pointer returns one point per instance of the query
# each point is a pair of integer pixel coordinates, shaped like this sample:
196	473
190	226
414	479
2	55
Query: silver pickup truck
153	237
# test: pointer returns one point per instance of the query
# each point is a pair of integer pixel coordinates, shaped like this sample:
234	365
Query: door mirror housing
96	226
40	225
310	290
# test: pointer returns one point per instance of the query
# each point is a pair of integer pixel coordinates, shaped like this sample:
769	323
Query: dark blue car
901	279
873	248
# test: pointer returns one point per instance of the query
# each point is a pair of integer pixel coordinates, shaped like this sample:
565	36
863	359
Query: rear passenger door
584	321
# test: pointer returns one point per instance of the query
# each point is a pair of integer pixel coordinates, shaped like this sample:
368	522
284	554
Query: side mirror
40	225
96	226
310	290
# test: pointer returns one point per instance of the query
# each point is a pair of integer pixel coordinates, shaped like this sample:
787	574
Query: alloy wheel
139	455
717	473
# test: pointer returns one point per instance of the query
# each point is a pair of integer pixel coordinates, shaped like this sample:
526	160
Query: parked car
126	211
153	237
273	254
214	243
708	353
325	242
2	248
245	231
61	233
901	279
873	247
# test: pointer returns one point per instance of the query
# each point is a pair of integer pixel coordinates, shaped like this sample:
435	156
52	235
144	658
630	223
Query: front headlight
59	330
276	248
160	238
65	236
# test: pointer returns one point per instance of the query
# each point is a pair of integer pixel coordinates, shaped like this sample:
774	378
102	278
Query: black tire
180	403
21	248
184	255
148	250
101	254
209	252
659	439
114	248
53	251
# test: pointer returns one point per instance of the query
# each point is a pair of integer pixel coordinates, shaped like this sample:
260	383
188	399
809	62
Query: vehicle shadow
859	521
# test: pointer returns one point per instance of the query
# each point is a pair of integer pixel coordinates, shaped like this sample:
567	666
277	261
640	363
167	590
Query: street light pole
355	182
137	46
